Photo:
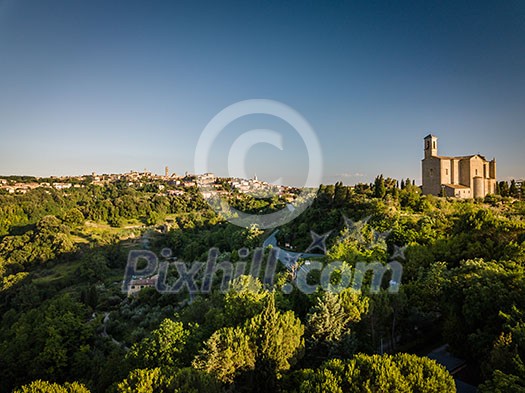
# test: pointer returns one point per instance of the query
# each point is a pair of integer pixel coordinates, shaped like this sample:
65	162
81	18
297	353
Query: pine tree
329	323
266	345
376	373
277	336
513	190
379	187
327	320
227	353
504	188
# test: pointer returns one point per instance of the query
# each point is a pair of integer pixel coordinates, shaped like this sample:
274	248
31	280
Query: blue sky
109	86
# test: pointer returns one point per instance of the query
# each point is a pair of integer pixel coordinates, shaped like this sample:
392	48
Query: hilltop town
169	184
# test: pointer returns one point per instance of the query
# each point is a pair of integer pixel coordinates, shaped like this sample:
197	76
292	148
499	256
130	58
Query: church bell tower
431	146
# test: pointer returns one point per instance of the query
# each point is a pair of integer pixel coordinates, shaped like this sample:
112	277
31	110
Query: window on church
428	145
434	145
476	172
446	172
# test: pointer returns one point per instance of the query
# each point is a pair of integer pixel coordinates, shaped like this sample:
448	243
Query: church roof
462	157
456	186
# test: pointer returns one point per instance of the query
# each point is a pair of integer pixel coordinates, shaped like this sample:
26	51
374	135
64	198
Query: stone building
462	177
136	285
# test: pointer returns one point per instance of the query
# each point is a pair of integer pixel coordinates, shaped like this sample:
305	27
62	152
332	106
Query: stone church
461	177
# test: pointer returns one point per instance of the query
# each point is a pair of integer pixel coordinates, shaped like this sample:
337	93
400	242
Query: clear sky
109	86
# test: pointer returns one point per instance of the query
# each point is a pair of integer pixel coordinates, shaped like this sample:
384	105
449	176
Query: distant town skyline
107	87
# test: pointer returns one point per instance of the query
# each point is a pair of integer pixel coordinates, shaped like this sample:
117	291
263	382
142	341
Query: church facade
462	177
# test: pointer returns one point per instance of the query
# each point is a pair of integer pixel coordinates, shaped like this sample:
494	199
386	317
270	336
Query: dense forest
67	326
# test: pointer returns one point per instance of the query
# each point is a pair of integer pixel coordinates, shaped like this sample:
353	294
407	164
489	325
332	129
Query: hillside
67	321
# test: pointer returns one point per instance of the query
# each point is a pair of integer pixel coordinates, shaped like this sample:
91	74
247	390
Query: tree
266	345
505	364
144	381
40	386
89	296
504	188
395	193
513	190
74	216
163	348
245	299
154	218
278	336
504	383
49	225
379	187
327	320
329	324
160	380
400	373
227	353
252	236
189	380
